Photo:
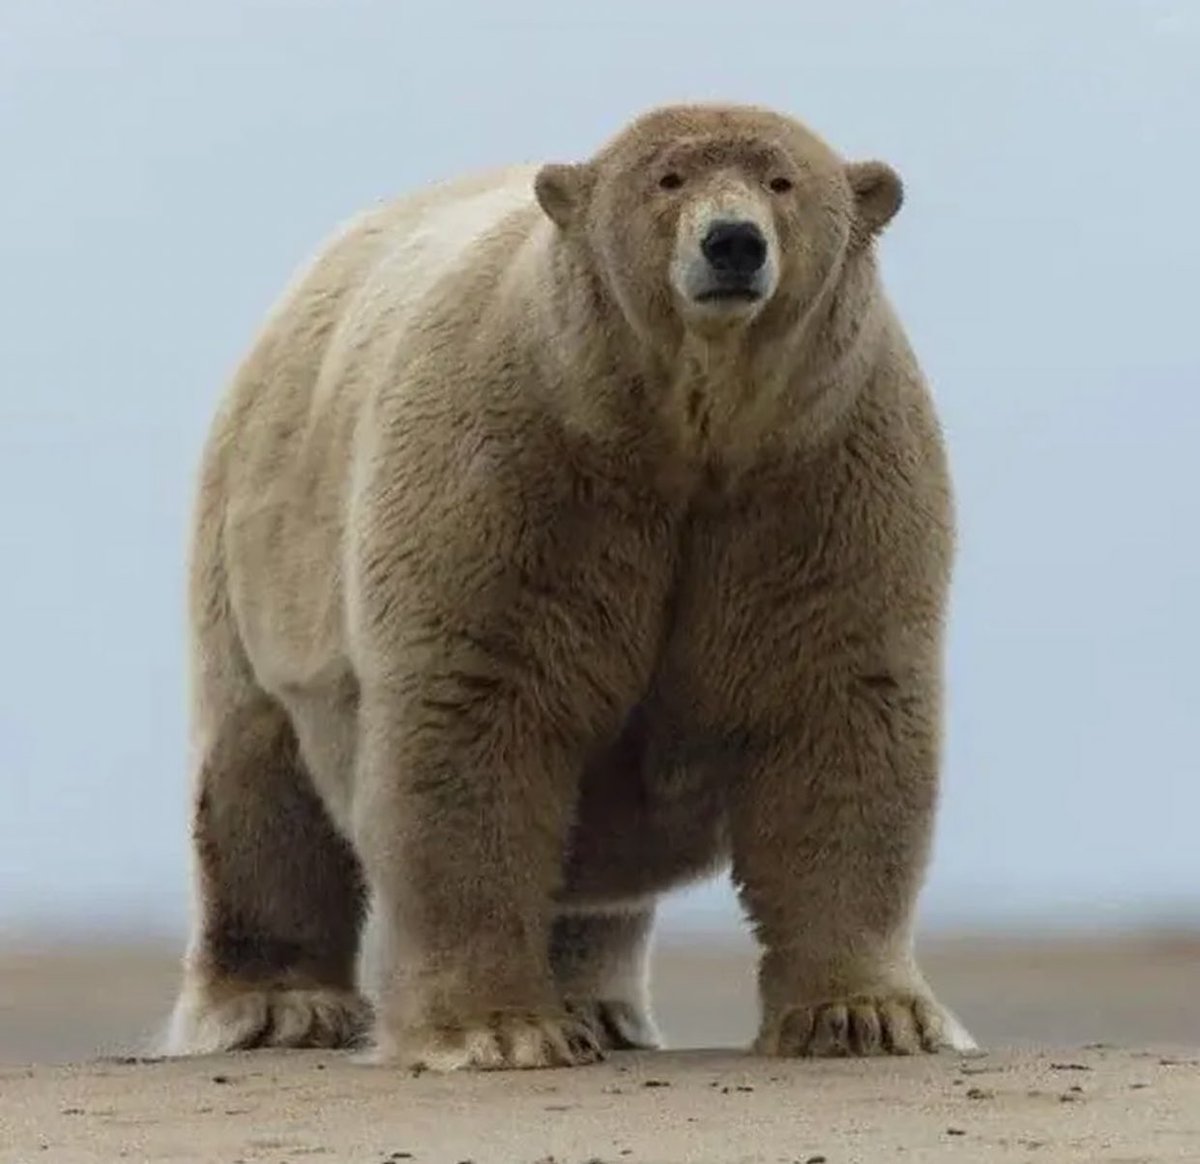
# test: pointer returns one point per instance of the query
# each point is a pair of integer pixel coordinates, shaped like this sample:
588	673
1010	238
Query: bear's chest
733	647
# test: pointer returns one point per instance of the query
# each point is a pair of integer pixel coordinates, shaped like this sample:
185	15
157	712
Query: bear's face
711	217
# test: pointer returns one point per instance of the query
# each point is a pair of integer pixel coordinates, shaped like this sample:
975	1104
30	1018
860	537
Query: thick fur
527	585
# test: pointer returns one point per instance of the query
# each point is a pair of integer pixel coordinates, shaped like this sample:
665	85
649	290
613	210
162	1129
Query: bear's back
366	283
281	450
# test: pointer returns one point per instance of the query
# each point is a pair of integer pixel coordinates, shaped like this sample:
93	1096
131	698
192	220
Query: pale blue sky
166	166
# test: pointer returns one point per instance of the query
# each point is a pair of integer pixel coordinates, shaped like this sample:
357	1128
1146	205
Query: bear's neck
731	400
718	400
712	400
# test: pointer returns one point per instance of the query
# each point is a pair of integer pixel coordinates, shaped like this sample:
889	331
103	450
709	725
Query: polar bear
571	533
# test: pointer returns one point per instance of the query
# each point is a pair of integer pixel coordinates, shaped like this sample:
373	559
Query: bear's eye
671	181
780	185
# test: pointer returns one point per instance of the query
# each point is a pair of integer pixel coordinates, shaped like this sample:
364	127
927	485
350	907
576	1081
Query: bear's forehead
718	149
717	134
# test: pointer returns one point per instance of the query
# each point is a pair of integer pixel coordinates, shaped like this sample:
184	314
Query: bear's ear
878	194
561	190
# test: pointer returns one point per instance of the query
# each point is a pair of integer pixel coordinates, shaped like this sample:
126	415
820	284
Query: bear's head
711	218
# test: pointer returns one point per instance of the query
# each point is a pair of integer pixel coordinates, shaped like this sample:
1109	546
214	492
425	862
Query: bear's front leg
830	832
461	817
504	620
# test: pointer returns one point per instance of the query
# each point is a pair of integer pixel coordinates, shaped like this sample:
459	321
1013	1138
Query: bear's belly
651	815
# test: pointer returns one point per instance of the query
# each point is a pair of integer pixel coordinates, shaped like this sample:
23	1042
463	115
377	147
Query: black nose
735	248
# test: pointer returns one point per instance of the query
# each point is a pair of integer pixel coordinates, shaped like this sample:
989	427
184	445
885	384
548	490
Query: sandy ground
1044	1091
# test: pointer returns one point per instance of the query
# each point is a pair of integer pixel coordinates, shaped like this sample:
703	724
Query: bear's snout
726	261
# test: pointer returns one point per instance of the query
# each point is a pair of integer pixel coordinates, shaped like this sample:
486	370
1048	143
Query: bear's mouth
729	294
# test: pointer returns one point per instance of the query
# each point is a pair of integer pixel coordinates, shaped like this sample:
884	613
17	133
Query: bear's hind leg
272	957
601	966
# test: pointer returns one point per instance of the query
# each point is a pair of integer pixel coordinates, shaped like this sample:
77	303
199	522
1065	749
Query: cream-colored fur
544	560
